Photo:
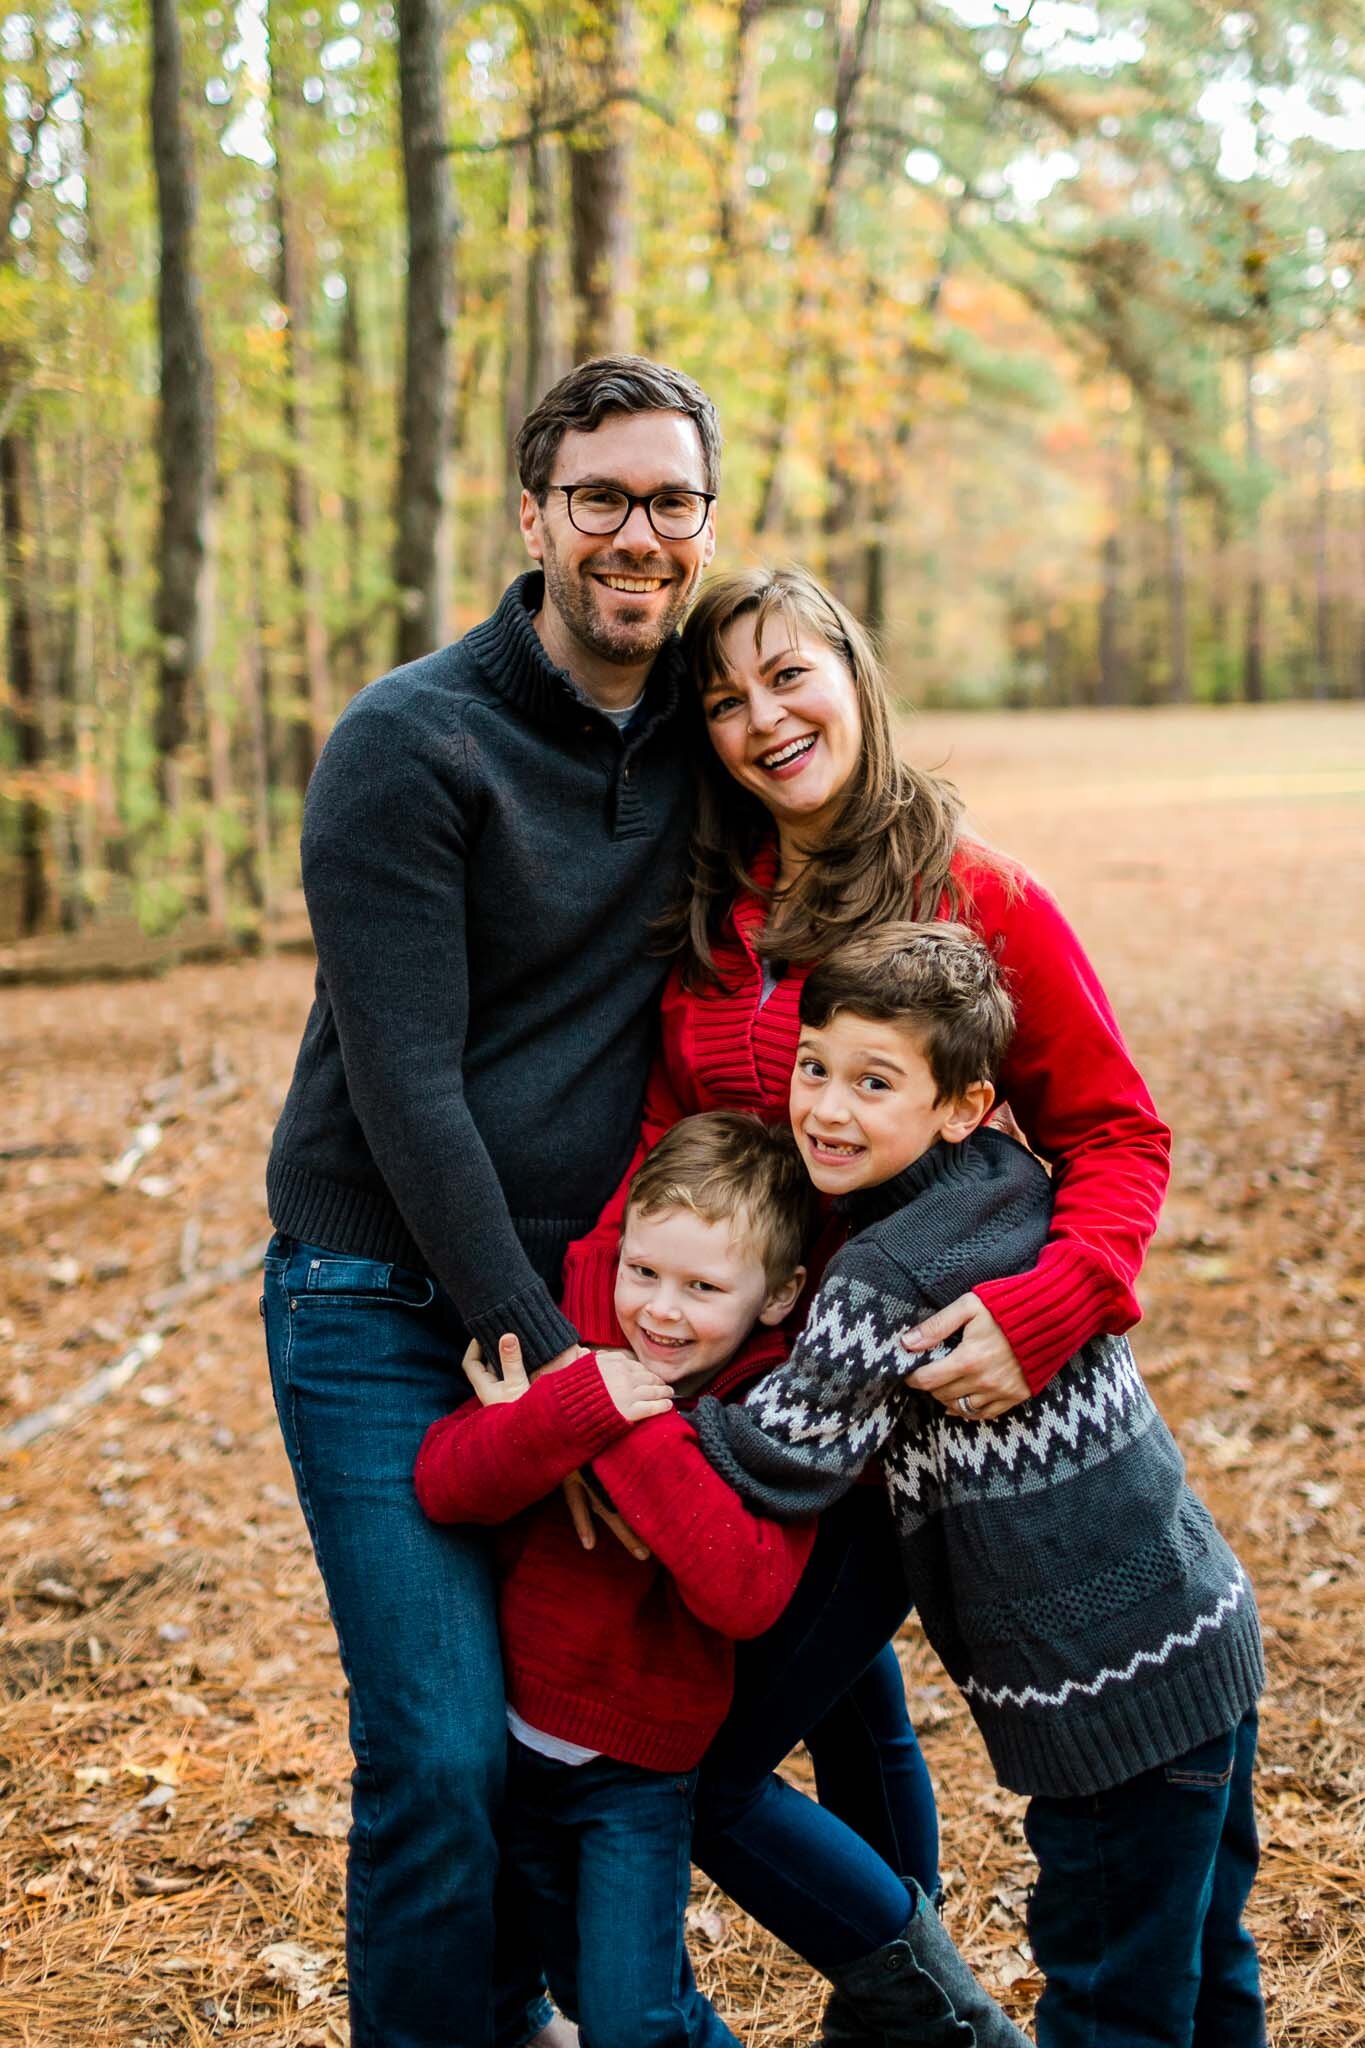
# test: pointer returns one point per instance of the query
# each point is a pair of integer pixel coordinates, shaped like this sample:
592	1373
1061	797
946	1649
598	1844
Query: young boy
618	1671
1101	1630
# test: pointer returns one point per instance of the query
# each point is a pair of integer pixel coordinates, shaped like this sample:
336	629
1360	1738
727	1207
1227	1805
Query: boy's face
688	1292
862	1103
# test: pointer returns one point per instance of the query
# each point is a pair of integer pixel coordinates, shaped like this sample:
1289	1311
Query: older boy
1103	1633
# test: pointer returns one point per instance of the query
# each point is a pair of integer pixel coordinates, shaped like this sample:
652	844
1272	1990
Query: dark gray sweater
1074	1587
483	851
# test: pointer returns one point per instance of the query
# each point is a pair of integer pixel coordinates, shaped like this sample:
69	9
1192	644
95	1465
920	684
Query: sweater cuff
588	1417
1050	1312
590	1294
532	1319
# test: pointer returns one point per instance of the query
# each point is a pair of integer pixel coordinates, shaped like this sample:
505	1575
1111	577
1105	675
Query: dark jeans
826	1879
1136	1917
604	1851
363	1356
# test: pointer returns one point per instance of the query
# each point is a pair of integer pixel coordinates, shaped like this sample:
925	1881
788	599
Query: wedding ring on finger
966	1405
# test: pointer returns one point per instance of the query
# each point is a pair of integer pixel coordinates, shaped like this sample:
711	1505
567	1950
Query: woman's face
785	720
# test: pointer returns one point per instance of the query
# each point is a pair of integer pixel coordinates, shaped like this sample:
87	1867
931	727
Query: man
487	836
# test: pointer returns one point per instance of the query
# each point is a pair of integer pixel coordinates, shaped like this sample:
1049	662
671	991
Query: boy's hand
489	1388
638	1394
584	1503
982	1371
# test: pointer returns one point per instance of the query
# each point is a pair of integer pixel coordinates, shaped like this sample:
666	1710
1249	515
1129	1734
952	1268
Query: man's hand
982	1372
491	1390
637	1392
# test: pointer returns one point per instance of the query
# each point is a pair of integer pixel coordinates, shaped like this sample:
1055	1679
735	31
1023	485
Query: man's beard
577	600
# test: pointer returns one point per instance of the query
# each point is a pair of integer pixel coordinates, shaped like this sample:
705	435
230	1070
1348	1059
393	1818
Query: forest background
1035	327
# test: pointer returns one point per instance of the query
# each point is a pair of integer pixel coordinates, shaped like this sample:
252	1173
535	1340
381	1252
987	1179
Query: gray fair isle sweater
1075	1589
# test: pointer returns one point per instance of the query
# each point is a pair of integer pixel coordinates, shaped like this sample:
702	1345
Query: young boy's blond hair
730	1167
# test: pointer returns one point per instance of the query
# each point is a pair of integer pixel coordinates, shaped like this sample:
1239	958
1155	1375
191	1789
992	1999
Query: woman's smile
788	760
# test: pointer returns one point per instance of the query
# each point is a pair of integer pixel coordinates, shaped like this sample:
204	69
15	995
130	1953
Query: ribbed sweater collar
508	651
943	1200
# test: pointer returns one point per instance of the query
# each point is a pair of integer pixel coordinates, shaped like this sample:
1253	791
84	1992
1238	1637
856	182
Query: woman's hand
982	1371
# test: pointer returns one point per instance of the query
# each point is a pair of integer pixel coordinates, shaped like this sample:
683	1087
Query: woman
809	826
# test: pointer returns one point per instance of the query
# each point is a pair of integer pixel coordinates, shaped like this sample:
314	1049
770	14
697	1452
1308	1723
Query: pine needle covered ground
171	1714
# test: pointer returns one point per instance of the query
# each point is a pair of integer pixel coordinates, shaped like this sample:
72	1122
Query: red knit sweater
636	1660
1068	1079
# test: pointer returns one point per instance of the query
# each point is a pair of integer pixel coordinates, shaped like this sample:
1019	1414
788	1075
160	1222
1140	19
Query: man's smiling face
620	595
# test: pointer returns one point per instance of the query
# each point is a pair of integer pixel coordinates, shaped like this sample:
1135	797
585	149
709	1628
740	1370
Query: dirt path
171	1713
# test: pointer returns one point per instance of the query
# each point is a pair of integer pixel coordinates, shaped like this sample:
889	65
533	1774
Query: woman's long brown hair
889	851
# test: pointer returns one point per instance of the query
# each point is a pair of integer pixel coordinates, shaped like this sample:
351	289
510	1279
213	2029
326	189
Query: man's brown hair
939	980
728	1166
581	401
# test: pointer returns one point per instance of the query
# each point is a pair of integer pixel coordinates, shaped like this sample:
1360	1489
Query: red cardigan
636	1660
1068	1078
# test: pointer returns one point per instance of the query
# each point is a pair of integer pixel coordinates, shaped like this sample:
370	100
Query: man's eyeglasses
599	509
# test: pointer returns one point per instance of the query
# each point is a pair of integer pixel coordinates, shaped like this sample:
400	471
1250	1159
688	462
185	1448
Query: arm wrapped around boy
1076	1590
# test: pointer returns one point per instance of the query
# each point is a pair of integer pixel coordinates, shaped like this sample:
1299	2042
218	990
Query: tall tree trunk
601	198
254	693
55	506
185	434
1147	637
424	432
1113	664
352	366
1177	628
218	737
16	467
1322	528
313	716
1112	676
855	41
1253	644
741	115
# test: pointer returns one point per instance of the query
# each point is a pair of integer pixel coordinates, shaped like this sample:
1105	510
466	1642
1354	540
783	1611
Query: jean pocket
1206	1768
318	1278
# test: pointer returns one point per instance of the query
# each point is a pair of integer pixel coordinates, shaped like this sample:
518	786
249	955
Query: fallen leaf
312	1814
187	1706
58	1592
707	1924
298	1969
164	1772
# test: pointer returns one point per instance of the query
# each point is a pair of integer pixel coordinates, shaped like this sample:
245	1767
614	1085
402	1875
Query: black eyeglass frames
601	509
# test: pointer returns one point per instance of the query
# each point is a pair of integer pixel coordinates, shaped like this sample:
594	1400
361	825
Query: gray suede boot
915	1993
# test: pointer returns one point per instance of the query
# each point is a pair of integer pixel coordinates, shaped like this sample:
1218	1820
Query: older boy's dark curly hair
939	980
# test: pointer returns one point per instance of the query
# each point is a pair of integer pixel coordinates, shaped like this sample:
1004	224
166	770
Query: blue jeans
604	1852
363	1356
826	1878
1136	1917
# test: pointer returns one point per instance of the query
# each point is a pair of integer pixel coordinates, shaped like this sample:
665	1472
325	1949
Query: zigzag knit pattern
1073	1585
